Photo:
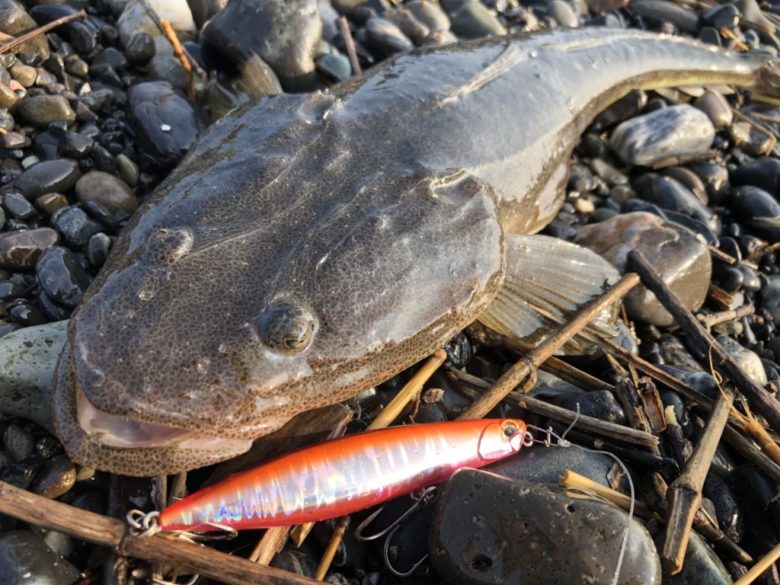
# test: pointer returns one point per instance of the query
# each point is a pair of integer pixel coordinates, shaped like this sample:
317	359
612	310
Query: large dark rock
488	530
165	123
680	258
285	33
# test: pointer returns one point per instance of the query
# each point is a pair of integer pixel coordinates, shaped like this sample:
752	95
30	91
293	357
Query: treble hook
420	499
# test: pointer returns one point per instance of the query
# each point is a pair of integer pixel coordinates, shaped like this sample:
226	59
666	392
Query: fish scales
311	246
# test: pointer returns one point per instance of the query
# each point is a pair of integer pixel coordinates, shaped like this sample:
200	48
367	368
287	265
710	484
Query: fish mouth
126	433
121	445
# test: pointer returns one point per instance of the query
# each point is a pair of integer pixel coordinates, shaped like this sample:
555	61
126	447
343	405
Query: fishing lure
345	475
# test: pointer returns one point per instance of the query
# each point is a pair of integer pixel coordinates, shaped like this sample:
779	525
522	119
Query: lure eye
287	326
510	429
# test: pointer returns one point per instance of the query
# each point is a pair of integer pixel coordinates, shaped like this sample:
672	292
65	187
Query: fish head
203	334
501	438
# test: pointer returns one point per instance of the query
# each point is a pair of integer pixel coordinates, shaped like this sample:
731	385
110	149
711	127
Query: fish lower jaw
125	433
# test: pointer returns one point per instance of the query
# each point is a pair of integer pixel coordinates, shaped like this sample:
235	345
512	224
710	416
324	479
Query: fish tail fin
547	282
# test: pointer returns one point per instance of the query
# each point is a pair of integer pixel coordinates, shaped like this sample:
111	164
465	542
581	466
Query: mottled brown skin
310	246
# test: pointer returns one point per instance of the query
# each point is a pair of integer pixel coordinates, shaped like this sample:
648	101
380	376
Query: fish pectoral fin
547	282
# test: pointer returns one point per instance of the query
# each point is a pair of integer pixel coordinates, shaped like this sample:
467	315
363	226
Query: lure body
345	475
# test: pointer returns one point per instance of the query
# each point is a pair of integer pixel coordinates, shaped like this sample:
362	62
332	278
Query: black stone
720	17
25	558
670	194
730	518
165	123
12	289
141	49
750	280
18	206
105	73
98	247
76	146
82	34
284	33
61	276
75	226
112	57
763	173
46	145
758	210
51	309
47	176
26	314
490	530
730	279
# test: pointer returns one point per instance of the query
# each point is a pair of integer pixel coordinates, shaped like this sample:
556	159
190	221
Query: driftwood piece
762	565
560	414
584	422
568	373
750	452
534	358
704	346
756	431
346	34
713	319
684	495
110	532
643	459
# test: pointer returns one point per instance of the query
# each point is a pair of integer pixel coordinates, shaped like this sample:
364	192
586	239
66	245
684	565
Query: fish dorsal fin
547	281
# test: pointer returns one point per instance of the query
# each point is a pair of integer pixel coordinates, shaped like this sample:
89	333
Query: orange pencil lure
345	475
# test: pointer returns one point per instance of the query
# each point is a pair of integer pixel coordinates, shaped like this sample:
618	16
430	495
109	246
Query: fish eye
510	429
287	326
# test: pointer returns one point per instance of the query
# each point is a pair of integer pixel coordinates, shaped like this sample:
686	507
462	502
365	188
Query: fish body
345	475
311	246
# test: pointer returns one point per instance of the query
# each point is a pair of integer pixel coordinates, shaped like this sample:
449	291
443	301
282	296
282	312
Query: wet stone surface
165	123
25	558
284	33
701	566
666	133
48	176
21	250
684	262
61	276
488	529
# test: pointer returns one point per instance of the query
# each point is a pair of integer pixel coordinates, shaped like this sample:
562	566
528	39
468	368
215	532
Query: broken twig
704	346
350	43
112	533
762	565
684	495
10	45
